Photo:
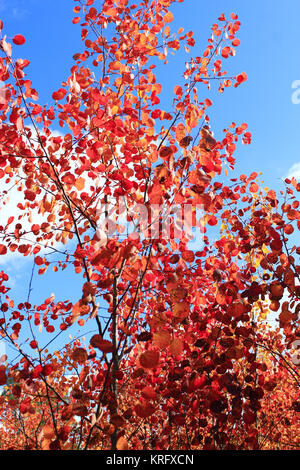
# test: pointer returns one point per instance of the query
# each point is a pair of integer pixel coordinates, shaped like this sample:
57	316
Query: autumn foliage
181	355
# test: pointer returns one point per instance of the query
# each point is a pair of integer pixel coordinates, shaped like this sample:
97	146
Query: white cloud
18	13
294	171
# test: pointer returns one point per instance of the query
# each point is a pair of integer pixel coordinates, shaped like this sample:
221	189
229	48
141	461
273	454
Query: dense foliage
182	356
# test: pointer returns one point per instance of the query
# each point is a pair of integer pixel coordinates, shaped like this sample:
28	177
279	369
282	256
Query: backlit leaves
163	344
149	359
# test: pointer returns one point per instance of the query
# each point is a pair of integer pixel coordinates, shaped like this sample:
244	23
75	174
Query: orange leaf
122	444
180	132
178	91
162	339
181	310
168	18
48	432
176	346
79	184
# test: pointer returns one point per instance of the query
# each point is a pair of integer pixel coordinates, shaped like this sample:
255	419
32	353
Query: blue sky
269	54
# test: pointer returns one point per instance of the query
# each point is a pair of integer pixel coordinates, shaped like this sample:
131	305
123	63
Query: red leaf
3	377
149	393
30	195
149	359
242	77
225	52
212	220
253	188
19	40
144	411
38	260
106	346
103	344
47	369
59	94
3	250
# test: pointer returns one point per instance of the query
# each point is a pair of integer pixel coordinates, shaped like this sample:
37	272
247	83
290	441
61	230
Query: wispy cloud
16	12
294	171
